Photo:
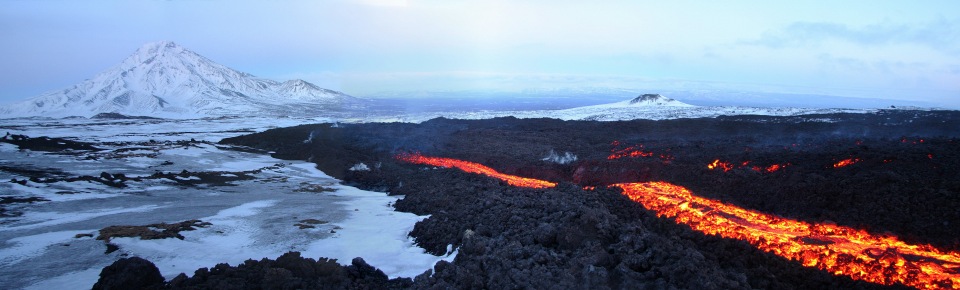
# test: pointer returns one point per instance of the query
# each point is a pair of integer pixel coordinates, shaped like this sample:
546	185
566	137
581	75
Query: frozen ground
50	243
608	112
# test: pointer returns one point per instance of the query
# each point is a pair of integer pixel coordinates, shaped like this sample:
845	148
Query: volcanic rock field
890	173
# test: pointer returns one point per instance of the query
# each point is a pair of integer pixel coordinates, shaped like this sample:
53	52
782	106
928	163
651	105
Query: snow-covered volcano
651	100
166	80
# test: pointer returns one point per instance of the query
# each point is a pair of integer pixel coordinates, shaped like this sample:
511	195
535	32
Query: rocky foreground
903	179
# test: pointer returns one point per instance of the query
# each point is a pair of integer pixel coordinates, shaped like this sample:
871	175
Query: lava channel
472	167
846	162
836	249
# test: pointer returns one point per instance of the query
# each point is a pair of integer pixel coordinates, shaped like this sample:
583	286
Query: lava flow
472	167
832	248
635	151
771	168
836	249
632	152
846	162
727	166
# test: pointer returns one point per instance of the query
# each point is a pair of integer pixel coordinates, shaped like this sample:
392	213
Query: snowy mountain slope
166	80
642	101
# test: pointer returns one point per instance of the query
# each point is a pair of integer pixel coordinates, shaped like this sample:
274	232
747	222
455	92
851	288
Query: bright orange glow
836	249
632	152
635	151
846	162
726	166
769	169
472	167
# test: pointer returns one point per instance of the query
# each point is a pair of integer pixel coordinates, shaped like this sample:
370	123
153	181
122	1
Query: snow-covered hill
642	101
646	106
163	79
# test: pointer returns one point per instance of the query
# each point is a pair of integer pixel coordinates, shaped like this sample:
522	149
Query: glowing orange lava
832	248
632	151
771	168
836	249
477	168
846	162
726	166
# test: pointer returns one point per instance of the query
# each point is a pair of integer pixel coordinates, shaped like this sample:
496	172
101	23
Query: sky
904	50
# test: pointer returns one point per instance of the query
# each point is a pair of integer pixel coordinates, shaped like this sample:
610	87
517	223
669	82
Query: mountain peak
159	47
649	98
299	83
165	52
160	44
165	79
654	100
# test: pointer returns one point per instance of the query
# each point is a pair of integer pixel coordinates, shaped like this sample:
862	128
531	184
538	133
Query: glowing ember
773	168
635	151
769	169
846	162
477	168
632	152
836	249
726	166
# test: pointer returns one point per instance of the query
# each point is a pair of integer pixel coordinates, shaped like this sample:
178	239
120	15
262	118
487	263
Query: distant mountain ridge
164	79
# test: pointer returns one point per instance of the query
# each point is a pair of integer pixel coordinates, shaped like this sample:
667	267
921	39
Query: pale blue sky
883	49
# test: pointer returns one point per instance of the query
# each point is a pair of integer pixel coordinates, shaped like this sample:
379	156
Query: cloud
940	35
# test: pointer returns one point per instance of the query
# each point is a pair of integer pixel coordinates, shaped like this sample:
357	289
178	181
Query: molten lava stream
846	162
472	167
836	249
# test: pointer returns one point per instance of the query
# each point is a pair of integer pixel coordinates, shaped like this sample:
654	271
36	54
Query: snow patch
30	246
45	219
74	280
377	233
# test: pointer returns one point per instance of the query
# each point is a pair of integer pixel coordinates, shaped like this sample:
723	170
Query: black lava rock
130	273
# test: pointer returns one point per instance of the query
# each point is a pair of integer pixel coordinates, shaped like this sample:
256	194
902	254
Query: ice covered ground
50	243
611	112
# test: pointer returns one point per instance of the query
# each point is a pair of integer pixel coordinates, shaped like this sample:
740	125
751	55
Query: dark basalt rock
118	116
289	271
130	273
44	143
